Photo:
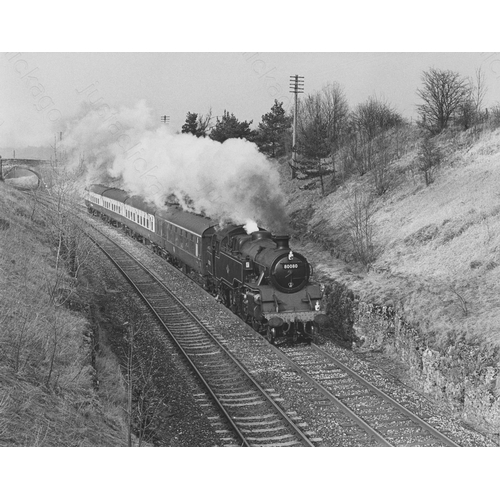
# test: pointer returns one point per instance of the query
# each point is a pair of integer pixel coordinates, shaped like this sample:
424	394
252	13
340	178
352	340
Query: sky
41	90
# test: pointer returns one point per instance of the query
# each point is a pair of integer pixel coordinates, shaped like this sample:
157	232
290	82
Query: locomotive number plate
291	266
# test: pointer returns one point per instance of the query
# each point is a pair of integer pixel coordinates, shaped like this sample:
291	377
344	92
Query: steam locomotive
258	276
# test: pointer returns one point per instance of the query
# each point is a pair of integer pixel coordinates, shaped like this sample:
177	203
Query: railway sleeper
271	429
260	424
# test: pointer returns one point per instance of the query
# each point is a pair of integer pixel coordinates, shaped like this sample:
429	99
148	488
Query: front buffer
290	316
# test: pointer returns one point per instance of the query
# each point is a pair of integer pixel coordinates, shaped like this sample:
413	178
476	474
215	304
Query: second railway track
372	415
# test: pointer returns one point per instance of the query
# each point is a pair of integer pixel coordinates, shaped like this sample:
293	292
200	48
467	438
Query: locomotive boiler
263	280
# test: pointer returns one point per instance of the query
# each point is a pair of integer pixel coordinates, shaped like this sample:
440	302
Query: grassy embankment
437	247
47	382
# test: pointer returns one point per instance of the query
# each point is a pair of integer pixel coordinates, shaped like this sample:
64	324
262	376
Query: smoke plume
228	182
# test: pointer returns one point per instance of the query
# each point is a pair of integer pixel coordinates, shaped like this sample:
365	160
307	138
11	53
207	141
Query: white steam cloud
231	181
250	227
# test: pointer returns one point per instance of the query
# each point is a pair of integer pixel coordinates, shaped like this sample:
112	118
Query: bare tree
469	112
144	402
205	123
148	401
381	171
336	112
73	247
428	158
443	93
313	136
369	120
133	325
480	90
358	220
322	120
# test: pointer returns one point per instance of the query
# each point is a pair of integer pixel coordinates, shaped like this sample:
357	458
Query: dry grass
46	378
438	247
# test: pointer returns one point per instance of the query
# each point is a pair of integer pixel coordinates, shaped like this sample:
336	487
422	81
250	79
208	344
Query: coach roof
186	220
98	188
139	203
111	193
116	194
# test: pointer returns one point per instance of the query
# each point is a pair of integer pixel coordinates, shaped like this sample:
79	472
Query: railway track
371	416
256	418
365	413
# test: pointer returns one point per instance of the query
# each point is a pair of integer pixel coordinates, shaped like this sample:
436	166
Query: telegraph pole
296	87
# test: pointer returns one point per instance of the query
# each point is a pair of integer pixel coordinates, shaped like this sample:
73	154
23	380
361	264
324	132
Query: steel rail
261	390
415	418
48	201
179	346
323	390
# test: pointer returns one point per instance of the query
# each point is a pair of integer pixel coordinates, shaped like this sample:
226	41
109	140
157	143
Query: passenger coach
182	236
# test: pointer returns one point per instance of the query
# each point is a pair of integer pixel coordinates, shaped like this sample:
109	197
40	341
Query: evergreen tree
229	127
190	126
197	124
272	131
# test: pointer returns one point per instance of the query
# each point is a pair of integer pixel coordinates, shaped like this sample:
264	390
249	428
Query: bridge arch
11	173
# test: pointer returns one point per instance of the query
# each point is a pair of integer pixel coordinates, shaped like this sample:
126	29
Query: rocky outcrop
466	376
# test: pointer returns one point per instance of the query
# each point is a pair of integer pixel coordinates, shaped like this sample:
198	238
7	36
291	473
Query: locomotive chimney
259	235
281	241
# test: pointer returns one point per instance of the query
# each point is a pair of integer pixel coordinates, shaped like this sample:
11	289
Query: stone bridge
17	168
